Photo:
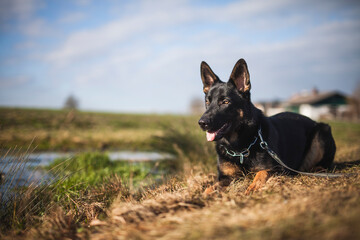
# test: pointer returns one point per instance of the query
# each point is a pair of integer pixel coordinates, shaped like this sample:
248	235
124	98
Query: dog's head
227	103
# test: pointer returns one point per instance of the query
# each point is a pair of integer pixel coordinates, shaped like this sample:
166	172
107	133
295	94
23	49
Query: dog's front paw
259	181
253	187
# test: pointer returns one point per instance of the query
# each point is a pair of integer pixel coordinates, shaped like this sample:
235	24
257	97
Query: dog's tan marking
260	179
206	89
241	113
229	169
247	88
314	154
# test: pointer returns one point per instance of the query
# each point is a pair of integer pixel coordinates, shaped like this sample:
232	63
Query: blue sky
144	56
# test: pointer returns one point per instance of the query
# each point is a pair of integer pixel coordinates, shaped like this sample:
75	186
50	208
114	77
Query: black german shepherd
233	122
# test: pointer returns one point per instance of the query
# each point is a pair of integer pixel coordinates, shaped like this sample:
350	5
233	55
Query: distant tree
71	103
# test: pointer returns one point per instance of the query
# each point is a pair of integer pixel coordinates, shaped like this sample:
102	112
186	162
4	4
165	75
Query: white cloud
18	9
82	2
72	17
114	69
26	45
149	18
36	27
12	82
89	42
21	16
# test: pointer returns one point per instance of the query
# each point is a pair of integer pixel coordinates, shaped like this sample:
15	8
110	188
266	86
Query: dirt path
286	208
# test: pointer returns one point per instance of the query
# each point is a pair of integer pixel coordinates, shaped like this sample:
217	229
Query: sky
144	56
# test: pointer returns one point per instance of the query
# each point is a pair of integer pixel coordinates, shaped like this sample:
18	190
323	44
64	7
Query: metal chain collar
241	155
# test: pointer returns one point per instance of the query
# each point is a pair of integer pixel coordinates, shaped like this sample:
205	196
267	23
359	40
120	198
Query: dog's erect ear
241	77
208	77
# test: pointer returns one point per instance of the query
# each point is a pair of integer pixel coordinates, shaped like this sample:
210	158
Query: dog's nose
203	124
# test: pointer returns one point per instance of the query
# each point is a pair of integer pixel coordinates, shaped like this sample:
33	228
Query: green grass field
64	130
98	199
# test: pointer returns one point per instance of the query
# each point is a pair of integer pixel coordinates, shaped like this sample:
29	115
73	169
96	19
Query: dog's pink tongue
210	136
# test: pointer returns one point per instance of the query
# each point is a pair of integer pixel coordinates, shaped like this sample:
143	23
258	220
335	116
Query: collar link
246	151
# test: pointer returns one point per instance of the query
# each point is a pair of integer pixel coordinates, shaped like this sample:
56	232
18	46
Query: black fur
300	142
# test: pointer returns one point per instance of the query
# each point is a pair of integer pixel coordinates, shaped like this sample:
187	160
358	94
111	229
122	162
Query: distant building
271	108
315	105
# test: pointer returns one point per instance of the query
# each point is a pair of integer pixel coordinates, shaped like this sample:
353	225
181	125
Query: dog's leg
260	179
226	173
322	149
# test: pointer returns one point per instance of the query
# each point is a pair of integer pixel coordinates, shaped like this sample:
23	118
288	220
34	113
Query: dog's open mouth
211	136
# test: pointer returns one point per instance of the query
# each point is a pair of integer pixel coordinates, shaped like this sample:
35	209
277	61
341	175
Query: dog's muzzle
204	124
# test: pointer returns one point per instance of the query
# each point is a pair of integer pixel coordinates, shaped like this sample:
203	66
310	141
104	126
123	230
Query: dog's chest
255	162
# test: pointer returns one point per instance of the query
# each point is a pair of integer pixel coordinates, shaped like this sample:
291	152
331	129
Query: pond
17	171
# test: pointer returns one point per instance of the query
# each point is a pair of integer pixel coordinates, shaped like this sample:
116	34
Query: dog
235	124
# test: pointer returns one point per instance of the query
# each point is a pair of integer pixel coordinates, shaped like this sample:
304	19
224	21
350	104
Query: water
138	156
24	170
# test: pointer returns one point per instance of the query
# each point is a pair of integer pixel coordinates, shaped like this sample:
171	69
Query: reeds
17	188
82	186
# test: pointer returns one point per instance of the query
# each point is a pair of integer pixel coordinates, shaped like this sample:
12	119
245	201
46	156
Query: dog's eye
225	101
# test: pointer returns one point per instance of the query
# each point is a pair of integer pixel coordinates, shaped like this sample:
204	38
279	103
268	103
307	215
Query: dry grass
287	207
